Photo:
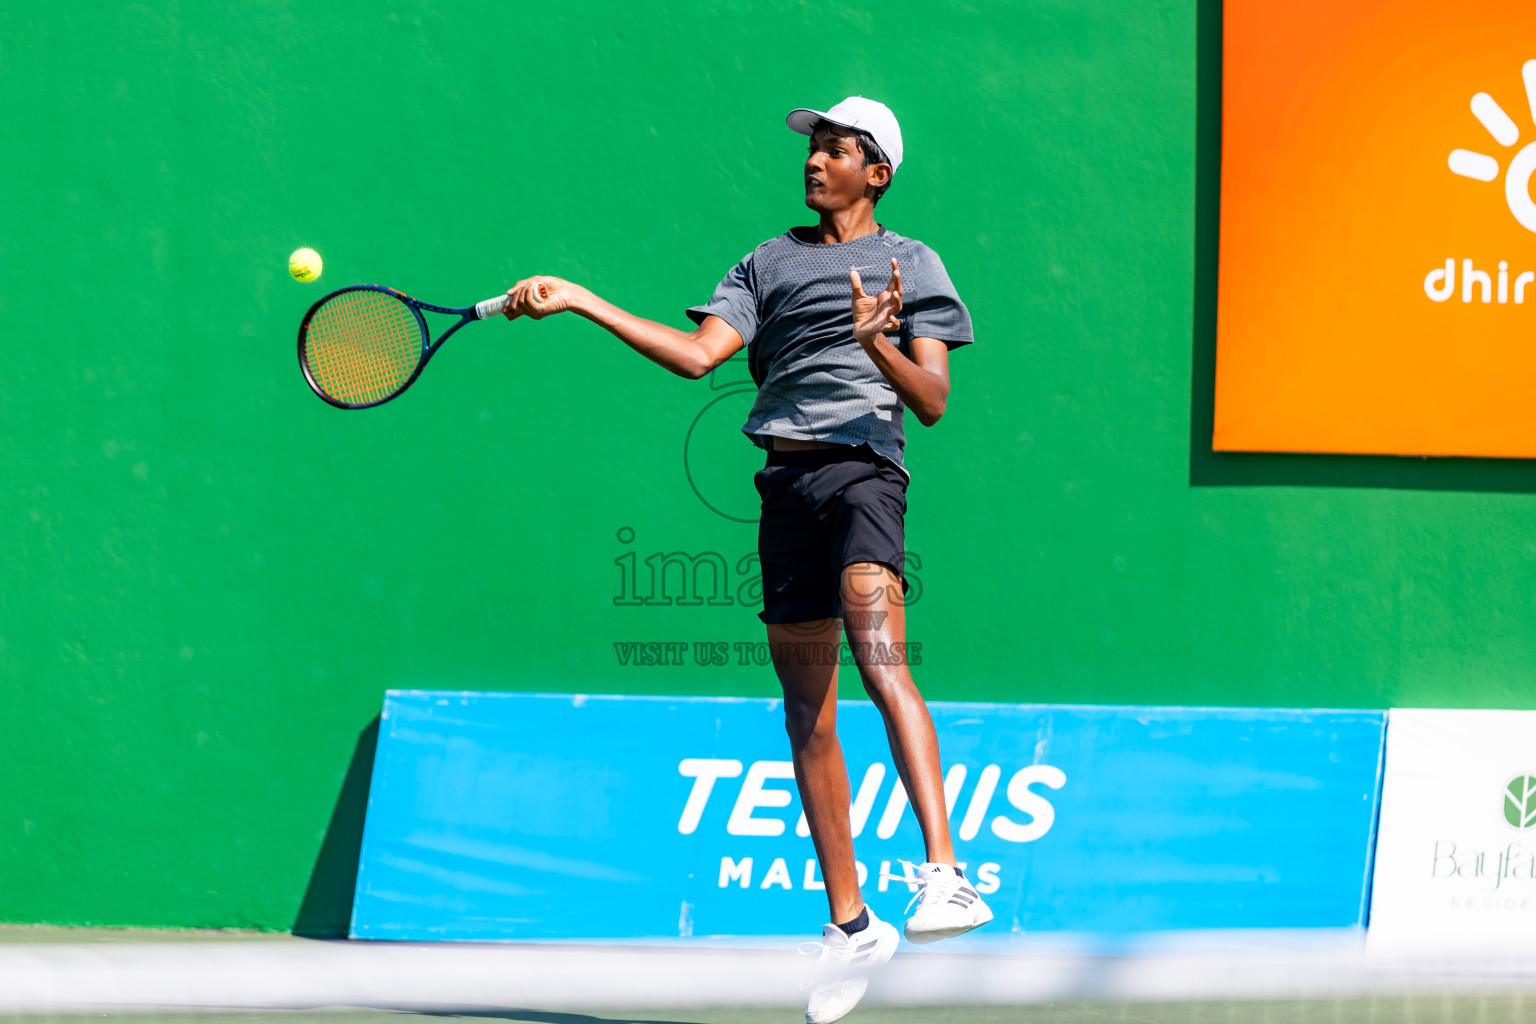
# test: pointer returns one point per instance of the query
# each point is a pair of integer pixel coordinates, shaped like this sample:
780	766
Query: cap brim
801	120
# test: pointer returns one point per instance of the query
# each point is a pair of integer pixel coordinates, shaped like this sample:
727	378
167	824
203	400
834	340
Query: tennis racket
364	344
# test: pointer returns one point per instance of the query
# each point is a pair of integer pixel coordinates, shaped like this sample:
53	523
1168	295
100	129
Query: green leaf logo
1520	801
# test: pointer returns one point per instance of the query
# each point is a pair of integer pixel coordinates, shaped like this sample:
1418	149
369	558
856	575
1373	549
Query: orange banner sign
1378	232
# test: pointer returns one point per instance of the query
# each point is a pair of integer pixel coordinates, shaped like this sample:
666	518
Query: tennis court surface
62	975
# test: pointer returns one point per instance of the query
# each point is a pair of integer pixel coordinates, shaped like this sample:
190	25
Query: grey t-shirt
790	302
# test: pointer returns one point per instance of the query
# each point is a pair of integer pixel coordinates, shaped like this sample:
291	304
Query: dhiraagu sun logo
1440	283
1481	167
1520	801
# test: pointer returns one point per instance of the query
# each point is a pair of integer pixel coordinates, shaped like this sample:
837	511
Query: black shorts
823	509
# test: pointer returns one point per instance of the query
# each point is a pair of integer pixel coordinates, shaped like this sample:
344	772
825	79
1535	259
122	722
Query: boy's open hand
872	316
539	297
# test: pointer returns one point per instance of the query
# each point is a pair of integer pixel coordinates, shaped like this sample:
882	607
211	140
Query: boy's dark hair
873	154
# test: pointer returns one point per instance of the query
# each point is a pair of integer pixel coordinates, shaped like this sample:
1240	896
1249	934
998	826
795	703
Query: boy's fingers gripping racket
363	345
531	296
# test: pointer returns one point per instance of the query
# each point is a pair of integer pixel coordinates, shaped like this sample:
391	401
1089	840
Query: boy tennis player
836	368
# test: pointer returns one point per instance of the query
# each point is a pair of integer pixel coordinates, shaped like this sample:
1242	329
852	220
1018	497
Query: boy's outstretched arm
689	354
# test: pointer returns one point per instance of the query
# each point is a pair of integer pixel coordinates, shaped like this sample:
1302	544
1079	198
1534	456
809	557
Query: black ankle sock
858	924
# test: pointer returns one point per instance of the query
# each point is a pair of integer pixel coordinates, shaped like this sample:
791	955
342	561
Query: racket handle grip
494	307
490	307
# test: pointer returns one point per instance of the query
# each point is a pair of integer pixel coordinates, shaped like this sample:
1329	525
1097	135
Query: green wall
210	577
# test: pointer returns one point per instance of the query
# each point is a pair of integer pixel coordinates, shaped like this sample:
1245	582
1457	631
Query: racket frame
467	314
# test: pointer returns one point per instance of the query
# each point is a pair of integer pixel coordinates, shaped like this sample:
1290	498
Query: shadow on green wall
1208	468
327	906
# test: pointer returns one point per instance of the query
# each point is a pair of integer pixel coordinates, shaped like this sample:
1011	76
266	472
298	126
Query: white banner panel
1456	848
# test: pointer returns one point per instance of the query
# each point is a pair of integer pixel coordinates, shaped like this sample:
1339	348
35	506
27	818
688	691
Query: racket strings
362	346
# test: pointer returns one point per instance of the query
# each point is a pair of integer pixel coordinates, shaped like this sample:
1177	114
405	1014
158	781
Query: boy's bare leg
874	612
809	678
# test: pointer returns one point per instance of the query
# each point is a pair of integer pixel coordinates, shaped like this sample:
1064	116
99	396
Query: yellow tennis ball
305	264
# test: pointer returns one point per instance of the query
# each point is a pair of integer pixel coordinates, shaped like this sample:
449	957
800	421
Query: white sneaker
843	970
947	905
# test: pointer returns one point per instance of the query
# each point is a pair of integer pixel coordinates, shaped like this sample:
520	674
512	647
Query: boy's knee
886	684
801	720
876	687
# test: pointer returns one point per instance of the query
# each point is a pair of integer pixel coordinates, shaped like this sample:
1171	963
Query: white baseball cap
856	112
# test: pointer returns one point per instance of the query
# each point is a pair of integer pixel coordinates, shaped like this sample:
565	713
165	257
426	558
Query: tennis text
757	795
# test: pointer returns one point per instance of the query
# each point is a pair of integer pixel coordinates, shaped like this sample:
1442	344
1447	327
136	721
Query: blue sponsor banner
535	816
